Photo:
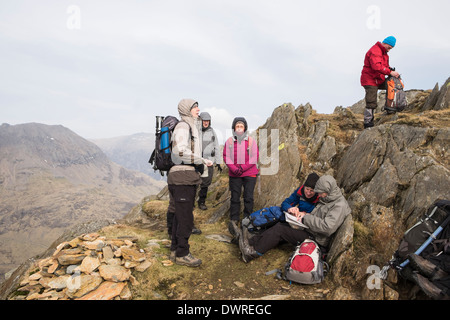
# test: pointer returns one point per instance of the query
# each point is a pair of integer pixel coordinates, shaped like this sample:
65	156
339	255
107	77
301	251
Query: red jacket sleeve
378	63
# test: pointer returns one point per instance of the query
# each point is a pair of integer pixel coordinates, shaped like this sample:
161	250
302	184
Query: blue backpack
161	158
263	219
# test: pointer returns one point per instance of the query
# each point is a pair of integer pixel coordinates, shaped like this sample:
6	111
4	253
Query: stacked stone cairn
89	267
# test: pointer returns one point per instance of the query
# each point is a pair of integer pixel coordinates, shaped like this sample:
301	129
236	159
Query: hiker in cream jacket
183	179
187	146
329	213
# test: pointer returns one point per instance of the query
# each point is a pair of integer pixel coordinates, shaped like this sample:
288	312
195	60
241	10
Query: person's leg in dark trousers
235	185
170	214
273	236
249	188
371	103
183	222
206	182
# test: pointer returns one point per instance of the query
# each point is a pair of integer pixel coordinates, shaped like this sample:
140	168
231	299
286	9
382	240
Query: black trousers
236	184
277	234
205	184
183	220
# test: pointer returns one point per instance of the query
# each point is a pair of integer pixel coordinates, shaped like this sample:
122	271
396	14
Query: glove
238	172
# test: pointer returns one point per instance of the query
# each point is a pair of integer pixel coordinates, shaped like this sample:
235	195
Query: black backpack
418	238
161	157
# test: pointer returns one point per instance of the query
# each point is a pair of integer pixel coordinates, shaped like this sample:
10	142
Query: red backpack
306	266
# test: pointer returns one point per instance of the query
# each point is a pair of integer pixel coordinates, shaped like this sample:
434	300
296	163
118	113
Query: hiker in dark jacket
211	151
302	200
183	179
373	75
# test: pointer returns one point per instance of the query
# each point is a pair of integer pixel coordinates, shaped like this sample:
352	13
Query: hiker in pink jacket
241	155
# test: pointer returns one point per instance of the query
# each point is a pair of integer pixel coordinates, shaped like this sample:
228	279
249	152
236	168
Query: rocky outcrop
390	174
439	99
279	134
395	169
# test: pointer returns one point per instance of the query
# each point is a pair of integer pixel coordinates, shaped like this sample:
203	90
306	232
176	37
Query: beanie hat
311	180
390	41
205	116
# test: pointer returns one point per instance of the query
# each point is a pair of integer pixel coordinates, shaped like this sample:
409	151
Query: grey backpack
395	95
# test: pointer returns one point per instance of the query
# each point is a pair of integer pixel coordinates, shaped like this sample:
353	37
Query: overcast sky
106	68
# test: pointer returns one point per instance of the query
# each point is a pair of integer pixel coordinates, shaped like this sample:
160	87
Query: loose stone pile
89	267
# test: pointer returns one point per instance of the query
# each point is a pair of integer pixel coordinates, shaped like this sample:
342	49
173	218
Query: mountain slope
51	178
131	152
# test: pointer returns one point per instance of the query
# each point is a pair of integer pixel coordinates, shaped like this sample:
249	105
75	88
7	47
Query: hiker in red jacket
373	75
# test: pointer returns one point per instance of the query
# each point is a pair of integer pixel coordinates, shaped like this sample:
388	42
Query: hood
239	119
383	49
329	185
205	116
242	137
184	109
185	106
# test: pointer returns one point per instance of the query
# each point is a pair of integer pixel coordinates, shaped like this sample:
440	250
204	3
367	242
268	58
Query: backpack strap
192	140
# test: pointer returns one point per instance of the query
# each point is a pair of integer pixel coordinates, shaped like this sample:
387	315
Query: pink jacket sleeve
227	157
253	155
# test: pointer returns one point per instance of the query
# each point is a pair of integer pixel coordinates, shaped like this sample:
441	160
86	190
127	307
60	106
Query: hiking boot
195	230
234	229
188	260
248	252
390	110
428	287
368	125
426	268
202	206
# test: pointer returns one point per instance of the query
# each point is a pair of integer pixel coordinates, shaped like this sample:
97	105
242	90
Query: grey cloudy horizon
107	68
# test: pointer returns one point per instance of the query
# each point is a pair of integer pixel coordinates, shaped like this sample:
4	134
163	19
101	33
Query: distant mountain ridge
131	151
50	179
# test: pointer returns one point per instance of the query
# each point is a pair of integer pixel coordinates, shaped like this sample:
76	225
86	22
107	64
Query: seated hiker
321	223
303	199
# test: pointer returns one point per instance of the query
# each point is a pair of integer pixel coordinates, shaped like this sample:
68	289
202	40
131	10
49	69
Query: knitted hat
311	180
390	41
205	116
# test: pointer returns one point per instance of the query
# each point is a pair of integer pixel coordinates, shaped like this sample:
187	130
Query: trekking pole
391	263
157	123
220	202
426	243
